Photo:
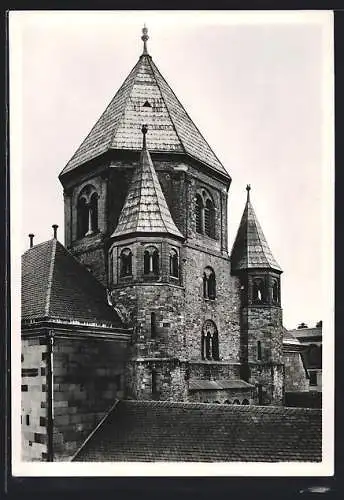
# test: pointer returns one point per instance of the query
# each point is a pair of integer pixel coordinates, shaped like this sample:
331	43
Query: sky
258	86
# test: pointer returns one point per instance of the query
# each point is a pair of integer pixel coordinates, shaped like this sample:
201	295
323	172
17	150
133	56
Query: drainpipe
50	389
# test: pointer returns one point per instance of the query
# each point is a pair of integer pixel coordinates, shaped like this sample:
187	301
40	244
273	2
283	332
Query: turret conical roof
145	209
250	249
145	97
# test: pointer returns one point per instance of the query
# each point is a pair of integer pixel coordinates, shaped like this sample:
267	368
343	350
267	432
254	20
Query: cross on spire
248	189
144	38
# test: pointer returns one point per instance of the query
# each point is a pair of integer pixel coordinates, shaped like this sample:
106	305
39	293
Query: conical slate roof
145	97
250	249
145	209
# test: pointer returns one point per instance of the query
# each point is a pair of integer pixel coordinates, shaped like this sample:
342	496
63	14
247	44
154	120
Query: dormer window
205	214
147	104
87	212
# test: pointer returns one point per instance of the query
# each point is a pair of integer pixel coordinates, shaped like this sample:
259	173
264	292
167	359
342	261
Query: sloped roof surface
145	209
250	249
56	286
147	431
145	97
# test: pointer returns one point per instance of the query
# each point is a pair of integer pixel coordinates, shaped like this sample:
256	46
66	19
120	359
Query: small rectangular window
153	325
259	350
27	419
313	378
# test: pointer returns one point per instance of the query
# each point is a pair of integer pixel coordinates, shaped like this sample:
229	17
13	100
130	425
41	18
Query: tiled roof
216	385
145	209
144	431
56	286
289	338
250	249
306	332
145	97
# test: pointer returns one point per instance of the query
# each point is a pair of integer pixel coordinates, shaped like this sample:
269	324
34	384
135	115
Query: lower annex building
145	311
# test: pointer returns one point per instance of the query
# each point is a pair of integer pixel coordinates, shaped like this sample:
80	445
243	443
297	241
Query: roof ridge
152	65
153	173
131	74
95	124
50	277
191	120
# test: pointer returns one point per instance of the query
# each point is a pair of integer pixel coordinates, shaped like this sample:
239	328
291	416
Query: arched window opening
275	292
82	218
209	218
87	212
156	262
227	402
259	350
174	264
236	402
151	261
94	212
245	402
209	283
126	262
153	325
205	214
199	214
146	262
215	346
258	291
210	342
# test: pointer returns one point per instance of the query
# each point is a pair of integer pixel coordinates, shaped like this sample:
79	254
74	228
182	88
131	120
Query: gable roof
250	249
57	286
145	97
144	431
145	209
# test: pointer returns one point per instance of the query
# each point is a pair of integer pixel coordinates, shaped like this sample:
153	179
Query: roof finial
248	189
144	130
55	226
144	38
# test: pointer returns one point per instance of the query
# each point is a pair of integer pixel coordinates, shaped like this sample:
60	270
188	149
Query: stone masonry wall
232	396
224	310
295	374
264	324
34	398
88	378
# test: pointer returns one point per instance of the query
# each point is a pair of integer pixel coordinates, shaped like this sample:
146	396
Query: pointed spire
250	249
144	38
145	210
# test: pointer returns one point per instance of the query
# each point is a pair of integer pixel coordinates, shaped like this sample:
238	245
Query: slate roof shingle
56	286
119	127
145	209
250	249
144	431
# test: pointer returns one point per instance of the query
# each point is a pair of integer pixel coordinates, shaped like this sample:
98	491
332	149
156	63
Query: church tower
261	313
146	212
